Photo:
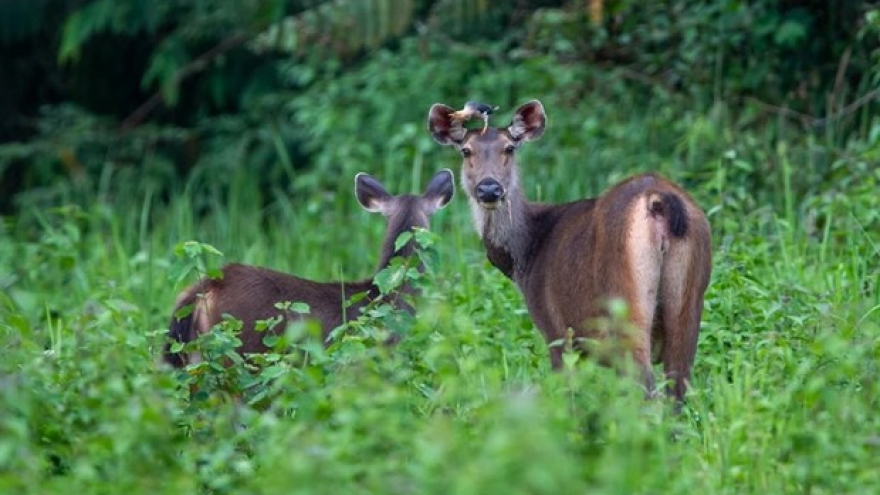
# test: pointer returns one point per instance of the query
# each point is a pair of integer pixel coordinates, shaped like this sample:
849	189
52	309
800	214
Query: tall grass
785	385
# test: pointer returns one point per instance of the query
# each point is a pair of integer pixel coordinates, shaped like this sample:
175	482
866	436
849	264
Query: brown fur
250	293
644	241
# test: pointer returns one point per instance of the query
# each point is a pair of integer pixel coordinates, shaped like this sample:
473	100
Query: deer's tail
671	207
181	328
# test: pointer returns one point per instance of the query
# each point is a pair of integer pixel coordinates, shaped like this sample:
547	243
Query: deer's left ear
371	194
528	122
444	129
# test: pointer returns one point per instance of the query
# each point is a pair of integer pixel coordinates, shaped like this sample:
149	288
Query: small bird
474	109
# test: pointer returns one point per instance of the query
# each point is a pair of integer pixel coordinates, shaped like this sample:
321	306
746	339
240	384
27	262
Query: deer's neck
505	230
395	228
407	252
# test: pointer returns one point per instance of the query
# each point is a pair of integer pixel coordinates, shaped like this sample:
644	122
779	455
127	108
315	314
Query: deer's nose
489	191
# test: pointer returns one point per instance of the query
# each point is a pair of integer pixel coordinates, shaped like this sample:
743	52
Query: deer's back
251	293
580	252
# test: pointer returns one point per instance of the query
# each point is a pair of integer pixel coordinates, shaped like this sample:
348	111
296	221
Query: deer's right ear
444	129
371	194
440	189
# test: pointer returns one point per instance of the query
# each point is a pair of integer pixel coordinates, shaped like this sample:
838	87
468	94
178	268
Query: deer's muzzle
489	193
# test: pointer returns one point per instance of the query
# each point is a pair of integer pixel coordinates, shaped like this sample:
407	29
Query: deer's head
406	211
488	171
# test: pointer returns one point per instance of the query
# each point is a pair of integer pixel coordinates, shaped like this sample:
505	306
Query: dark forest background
297	91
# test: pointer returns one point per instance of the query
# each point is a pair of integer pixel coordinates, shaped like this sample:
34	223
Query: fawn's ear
371	194
444	129
440	190
528	122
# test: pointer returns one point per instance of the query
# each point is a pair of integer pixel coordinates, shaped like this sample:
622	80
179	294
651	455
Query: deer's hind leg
679	322
641	319
646	244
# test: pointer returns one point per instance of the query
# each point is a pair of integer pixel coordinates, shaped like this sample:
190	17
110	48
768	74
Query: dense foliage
141	138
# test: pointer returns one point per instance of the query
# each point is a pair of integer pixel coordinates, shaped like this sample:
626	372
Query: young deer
250	293
644	241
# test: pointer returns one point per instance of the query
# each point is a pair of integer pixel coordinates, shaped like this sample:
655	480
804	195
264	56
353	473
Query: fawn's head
488	158
406	208
406	211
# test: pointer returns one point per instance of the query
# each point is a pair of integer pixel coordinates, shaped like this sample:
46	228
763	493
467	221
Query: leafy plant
256	159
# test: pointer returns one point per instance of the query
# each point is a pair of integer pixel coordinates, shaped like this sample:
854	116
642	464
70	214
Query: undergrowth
785	387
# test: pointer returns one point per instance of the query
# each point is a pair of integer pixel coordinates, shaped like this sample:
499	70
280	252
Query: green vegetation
766	112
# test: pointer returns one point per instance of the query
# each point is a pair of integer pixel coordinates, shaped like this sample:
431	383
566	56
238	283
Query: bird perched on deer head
474	109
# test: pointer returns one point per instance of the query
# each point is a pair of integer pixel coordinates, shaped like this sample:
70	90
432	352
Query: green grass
785	388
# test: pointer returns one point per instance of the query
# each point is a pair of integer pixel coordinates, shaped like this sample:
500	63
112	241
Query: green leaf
72	36
184	311
300	308
164	68
389	279
570	359
790	33
425	238
402	239
267	324
273	372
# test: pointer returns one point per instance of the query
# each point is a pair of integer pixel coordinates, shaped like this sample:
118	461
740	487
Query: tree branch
851	108
197	65
812	121
805	119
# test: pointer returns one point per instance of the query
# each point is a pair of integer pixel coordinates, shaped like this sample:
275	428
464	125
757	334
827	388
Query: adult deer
644	241
250	293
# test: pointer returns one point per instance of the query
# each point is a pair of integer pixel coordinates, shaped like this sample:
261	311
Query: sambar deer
250	293
644	241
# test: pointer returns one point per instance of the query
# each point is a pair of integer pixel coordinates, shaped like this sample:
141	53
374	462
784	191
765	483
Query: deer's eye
509	149
466	152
